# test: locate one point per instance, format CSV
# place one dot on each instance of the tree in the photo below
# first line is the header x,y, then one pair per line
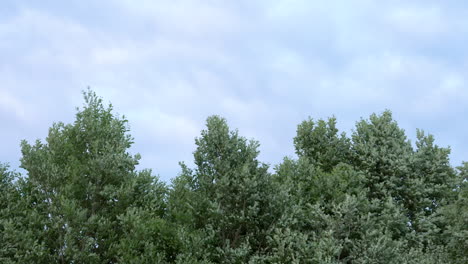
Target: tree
x,y
455,216
359,208
229,193
6,186
88,185
321,144
430,182
381,150
369,199
21,227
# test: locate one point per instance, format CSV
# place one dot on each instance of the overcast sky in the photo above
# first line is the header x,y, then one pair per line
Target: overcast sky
x,y
264,65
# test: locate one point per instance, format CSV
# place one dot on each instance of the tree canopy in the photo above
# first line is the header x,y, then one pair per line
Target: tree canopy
x,y
371,197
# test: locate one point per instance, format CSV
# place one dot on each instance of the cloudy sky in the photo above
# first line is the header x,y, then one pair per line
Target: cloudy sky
x,y
265,65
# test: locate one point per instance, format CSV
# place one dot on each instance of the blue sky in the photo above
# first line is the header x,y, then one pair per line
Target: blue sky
x,y
264,65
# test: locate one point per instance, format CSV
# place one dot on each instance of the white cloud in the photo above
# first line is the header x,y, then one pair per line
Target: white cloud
x,y
111,55
419,20
263,65
164,127
46,39
10,104
189,18
450,89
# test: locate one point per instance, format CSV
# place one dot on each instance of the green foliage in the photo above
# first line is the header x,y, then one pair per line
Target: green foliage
x,y
312,185
431,163
371,198
321,144
229,193
455,216
381,150
81,185
7,189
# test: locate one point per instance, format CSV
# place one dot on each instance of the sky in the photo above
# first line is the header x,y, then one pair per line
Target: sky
x,y
264,65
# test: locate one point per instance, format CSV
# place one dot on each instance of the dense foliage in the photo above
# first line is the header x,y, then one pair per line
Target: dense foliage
x,y
373,197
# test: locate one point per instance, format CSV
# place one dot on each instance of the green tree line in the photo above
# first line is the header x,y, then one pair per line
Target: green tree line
x,y
371,197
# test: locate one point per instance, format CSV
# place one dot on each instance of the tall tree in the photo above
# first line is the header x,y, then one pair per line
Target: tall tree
x,y
430,181
321,144
229,192
455,217
380,149
22,233
88,181
369,199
